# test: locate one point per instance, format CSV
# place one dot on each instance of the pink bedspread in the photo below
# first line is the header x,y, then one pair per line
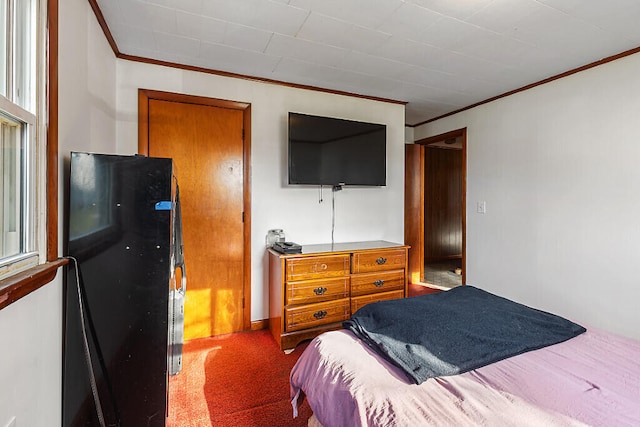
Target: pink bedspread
x,y
592,379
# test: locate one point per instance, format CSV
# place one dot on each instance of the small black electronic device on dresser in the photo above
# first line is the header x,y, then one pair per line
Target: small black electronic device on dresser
x,y
287,247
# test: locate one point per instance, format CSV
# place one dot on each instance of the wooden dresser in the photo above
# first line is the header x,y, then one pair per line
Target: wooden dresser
x,y
313,292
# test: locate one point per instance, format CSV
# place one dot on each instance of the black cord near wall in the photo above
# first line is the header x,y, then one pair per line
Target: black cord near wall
x,y
334,190
87,320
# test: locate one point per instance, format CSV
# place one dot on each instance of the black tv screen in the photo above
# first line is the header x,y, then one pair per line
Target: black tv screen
x,y
330,151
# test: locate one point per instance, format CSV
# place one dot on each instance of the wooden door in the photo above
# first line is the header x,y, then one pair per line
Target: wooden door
x,y
414,210
206,143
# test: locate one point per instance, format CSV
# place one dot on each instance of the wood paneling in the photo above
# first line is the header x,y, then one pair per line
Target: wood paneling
x,y
443,204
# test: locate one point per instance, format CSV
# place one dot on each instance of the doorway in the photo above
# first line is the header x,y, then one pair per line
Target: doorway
x,y
435,209
208,139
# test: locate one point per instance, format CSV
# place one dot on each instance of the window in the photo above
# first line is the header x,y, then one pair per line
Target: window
x,y
22,114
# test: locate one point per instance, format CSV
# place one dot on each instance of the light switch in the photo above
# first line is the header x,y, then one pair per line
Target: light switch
x,y
482,207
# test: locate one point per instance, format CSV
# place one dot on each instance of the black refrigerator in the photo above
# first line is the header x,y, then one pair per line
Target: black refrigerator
x,y
123,308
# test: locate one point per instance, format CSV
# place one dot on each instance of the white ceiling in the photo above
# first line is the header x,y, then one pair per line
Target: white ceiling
x,y
437,55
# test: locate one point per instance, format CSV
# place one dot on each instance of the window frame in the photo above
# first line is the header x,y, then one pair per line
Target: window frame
x,y
21,284
29,163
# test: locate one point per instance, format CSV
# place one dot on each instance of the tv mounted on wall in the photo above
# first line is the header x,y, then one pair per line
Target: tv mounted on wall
x,y
336,152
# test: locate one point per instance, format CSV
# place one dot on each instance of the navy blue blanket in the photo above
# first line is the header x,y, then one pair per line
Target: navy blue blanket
x,y
455,331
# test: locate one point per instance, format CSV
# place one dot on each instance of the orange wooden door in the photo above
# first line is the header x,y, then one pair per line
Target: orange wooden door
x,y
206,143
414,210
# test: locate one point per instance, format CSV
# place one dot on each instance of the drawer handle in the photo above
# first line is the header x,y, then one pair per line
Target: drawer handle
x,y
320,314
320,291
379,282
381,260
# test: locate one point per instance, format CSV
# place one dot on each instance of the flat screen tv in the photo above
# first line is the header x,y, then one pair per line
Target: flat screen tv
x,y
336,152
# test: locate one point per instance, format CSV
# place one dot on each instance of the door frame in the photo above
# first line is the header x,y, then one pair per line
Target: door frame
x,y
144,96
414,203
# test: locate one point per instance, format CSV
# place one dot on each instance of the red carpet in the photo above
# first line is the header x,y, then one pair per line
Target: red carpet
x,y
239,379
415,290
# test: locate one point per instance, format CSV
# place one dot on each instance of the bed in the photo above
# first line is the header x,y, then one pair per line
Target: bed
x,y
591,378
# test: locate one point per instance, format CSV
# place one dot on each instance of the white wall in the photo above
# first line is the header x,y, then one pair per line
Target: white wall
x,y
361,213
31,328
558,167
30,359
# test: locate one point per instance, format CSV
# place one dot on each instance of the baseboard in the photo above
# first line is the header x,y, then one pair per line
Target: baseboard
x,y
257,325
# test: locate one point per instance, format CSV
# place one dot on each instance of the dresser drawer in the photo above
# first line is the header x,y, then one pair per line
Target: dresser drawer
x,y
391,259
311,291
377,282
310,315
359,302
317,267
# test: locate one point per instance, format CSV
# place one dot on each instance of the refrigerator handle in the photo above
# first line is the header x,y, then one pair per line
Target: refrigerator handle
x,y
183,278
